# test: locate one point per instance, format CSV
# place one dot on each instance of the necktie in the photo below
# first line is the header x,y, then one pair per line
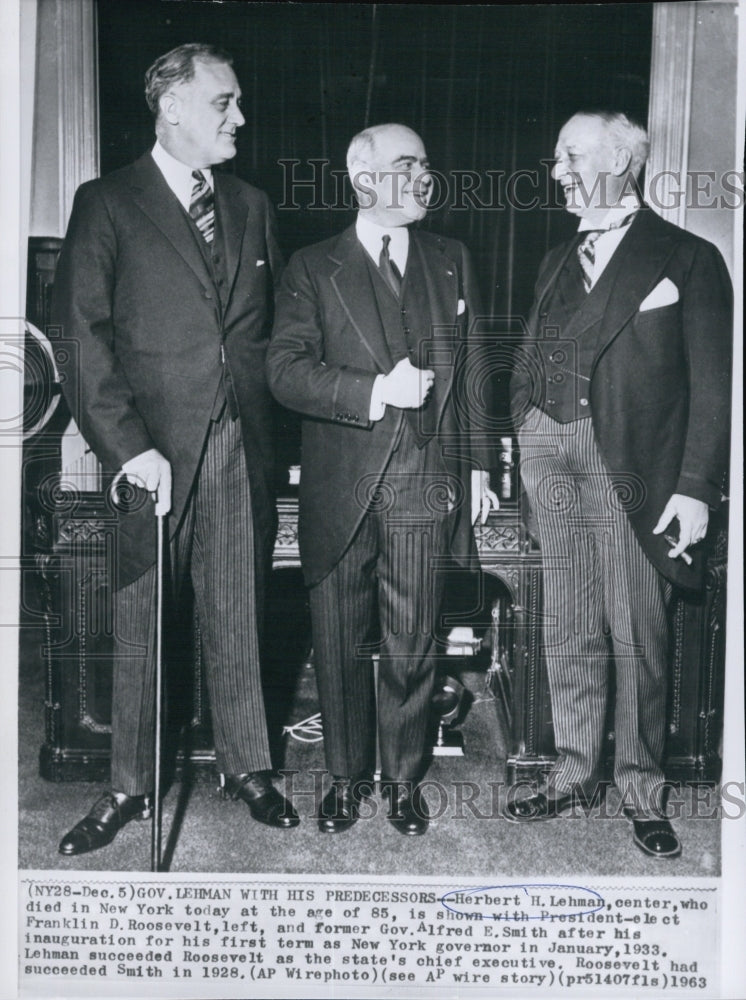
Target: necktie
x,y
202,206
587,256
587,249
388,269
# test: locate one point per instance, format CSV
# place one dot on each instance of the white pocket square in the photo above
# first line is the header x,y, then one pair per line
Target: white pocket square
x,y
461,308
260,262
665,293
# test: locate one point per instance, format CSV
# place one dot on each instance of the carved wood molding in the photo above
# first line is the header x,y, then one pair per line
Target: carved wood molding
x,y
77,87
669,110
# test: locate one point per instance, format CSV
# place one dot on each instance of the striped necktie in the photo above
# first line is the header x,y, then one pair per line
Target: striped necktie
x,y
388,269
202,206
587,249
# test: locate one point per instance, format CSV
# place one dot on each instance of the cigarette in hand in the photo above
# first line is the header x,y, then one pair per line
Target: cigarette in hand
x,y
682,555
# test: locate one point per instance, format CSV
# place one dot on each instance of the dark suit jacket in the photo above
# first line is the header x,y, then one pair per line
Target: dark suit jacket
x,y
136,299
660,380
328,345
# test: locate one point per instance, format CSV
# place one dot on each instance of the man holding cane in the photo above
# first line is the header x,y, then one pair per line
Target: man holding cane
x,y
164,282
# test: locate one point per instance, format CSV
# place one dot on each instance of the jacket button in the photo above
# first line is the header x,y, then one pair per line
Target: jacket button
x,y
550,402
583,401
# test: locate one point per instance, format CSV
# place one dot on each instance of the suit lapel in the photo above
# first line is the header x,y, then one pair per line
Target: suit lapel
x,y
351,282
594,306
630,275
442,282
156,199
552,273
642,256
232,212
441,279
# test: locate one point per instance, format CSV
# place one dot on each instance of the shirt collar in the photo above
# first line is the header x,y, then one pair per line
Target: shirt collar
x,y
178,175
371,236
629,204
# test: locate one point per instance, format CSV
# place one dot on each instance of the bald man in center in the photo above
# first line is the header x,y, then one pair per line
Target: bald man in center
x,y
373,344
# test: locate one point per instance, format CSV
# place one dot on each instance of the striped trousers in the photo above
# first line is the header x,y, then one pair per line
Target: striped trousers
x,y
384,597
602,598
214,545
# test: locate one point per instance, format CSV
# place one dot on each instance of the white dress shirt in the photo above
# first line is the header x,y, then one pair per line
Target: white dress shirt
x,y
608,241
371,236
178,175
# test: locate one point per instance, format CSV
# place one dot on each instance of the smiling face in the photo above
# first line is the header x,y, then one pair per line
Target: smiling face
x,y
589,167
202,116
393,184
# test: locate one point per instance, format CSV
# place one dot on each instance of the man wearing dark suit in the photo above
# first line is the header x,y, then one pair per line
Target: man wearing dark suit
x,y
621,396
164,283
371,344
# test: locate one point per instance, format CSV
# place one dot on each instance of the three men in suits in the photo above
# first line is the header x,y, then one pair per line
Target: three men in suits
x,y
372,346
621,396
165,284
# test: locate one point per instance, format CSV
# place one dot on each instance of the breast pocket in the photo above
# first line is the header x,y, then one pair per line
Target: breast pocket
x,y
658,344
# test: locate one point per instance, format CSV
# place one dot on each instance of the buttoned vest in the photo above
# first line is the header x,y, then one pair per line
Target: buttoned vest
x,y
213,255
407,325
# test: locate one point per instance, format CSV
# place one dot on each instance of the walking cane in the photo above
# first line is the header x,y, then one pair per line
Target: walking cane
x,y
155,833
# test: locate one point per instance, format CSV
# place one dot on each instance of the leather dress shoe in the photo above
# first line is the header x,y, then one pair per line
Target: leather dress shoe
x,y
265,803
408,811
655,836
340,807
107,817
539,806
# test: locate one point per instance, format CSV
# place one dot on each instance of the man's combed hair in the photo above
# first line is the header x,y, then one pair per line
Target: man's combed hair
x,y
625,131
177,66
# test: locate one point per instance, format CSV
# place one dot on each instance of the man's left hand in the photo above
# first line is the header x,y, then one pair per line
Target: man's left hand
x,y
693,517
482,498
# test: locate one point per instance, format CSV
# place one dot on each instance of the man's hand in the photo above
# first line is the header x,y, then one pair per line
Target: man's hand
x,y
693,517
406,386
482,497
152,472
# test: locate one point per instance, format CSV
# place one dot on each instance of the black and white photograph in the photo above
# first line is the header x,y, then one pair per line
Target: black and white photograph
x,y
372,543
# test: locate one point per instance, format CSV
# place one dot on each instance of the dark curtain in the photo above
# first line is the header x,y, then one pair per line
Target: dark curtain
x,y
487,87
